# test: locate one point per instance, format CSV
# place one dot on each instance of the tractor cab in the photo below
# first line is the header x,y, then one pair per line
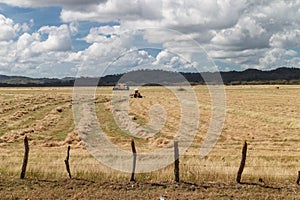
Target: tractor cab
x,y
137,94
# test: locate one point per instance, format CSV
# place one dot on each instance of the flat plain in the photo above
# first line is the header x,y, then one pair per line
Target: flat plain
x,y
266,116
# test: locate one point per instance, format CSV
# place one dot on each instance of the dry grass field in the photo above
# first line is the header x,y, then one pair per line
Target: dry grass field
x,y
267,117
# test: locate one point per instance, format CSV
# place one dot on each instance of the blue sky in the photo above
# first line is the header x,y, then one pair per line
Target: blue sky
x,y
69,38
41,16
49,16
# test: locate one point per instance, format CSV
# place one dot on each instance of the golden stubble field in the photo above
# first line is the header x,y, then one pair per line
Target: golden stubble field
x,y
267,117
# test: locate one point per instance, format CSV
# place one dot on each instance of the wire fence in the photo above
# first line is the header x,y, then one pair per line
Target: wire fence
x,y
284,164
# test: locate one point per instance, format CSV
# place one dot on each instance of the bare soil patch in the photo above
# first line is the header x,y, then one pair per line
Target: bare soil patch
x,y
85,189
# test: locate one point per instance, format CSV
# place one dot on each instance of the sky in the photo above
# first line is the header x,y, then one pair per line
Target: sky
x,y
62,38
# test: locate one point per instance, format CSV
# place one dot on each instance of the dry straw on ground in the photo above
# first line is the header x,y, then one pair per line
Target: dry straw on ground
x,y
267,117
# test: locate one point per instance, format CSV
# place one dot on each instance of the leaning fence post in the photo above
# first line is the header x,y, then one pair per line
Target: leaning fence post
x,y
242,165
298,179
176,161
134,160
67,161
25,160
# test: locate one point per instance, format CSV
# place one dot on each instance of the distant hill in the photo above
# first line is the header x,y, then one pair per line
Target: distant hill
x,y
282,75
22,81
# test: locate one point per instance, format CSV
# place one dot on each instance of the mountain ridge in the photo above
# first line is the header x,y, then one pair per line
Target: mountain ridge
x,y
282,75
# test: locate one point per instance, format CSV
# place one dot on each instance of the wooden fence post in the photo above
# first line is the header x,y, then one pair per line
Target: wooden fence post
x,y
134,160
25,160
67,161
176,161
242,165
298,179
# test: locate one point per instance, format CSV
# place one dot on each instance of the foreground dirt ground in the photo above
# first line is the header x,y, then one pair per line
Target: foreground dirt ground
x,y
85,189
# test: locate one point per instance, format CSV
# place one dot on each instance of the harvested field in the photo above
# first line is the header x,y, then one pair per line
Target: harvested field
x,y
264,116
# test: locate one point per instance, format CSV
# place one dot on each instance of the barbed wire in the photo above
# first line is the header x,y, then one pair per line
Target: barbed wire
x,y
200,165
184,156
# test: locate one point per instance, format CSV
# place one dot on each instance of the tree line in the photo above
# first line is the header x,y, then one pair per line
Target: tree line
x,y
283,75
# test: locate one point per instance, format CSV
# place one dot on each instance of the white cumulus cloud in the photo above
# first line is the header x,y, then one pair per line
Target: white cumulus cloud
x,y
276,56
59,38
248,33
286,39
8,28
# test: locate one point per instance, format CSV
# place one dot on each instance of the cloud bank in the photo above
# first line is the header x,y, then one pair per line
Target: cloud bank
x,y
246,33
